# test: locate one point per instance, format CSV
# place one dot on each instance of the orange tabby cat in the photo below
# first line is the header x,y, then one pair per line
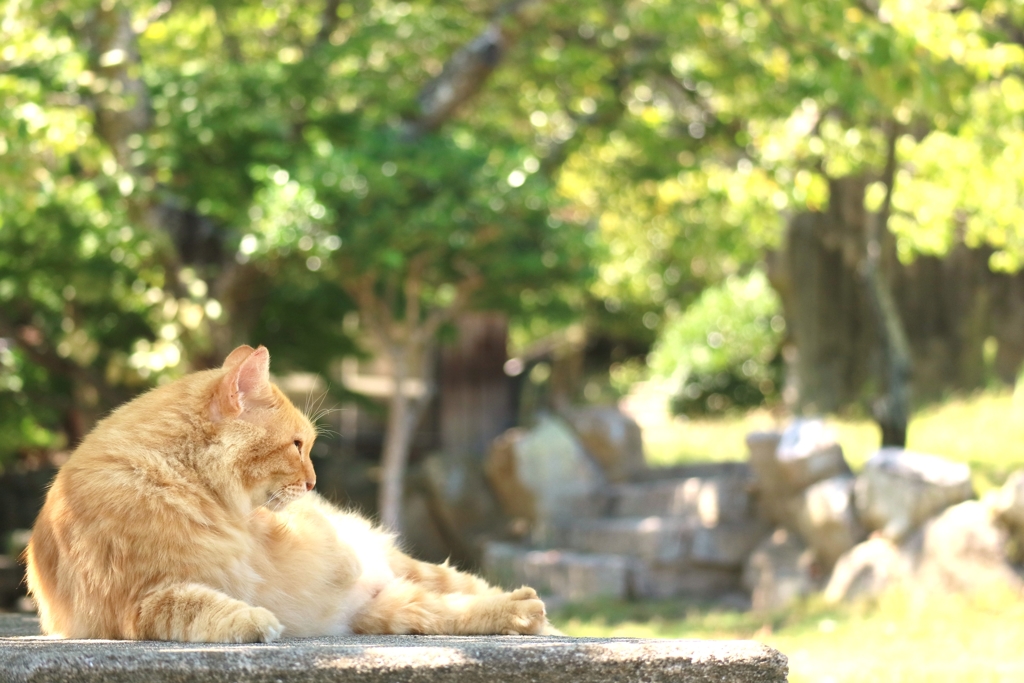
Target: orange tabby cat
x,y
186,515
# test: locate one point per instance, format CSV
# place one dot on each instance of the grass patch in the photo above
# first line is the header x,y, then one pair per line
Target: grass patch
x,y
902,638
712,439
985,430
721,439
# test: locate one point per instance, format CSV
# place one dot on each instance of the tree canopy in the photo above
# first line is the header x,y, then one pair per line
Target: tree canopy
x,y
179,177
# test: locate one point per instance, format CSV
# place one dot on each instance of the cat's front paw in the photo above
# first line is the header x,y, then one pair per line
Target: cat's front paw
x,y
526,614
252,625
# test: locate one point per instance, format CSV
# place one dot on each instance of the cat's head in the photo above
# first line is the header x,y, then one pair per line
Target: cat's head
x,y
271,438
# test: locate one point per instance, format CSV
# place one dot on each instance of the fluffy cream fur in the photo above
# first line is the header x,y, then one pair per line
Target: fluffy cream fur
x,y
186,515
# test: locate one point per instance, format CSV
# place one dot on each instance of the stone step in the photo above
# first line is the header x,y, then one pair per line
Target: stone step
x,y
571,576
653,539
669,540
652,581
567,575
712,499
379,659
704,470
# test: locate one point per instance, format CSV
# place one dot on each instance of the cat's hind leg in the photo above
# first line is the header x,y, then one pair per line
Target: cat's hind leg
x,y
193,612
407,607
439,578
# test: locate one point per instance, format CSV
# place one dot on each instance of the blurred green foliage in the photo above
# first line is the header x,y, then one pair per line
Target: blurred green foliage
x,y
723,351
621,158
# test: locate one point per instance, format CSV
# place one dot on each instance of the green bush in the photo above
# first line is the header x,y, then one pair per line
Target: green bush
x,y
723,351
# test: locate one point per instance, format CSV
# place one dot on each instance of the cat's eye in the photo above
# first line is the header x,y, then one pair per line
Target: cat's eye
x,y
298,444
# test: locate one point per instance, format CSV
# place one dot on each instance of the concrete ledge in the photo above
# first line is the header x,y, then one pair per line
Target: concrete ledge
x,y
25,656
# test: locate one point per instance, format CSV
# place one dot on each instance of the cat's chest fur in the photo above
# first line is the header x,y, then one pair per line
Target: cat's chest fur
x,y
313,566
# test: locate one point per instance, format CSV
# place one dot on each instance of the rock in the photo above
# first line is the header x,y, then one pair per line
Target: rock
x,y
898,490
785,464
763,466
712,500
544,476
774,500
1010,500
516,500
1008,505
726,545
964,550
827,519
384,659
867,570
611,437
807,453
565,574
420,528
779,572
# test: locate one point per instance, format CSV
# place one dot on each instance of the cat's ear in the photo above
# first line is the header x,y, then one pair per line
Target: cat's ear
x,y
243,385
254,373
237,356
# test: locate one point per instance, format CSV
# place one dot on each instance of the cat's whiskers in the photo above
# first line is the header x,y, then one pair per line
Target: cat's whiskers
x,y
326,431
283,497
266,503
322,413
316,406
316,412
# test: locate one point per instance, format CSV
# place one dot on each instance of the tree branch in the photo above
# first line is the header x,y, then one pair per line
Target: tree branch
x,y
231,43
465,73
328,21
439,316
369,307
25,336
560,151
413,287
390,301
122,109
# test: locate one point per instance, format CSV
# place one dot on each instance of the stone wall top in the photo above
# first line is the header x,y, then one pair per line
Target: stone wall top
x,y
25,656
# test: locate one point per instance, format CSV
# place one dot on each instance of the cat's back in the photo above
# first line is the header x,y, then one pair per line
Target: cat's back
x,y
126,497
141,456
164,420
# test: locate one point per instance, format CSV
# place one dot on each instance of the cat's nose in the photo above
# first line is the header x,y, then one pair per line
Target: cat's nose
x,y
310,483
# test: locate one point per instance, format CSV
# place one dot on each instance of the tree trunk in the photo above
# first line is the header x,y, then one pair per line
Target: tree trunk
x,y
948,306
114,55
461,78
475,403
474,406
892,410
397,440
827,317
404,413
